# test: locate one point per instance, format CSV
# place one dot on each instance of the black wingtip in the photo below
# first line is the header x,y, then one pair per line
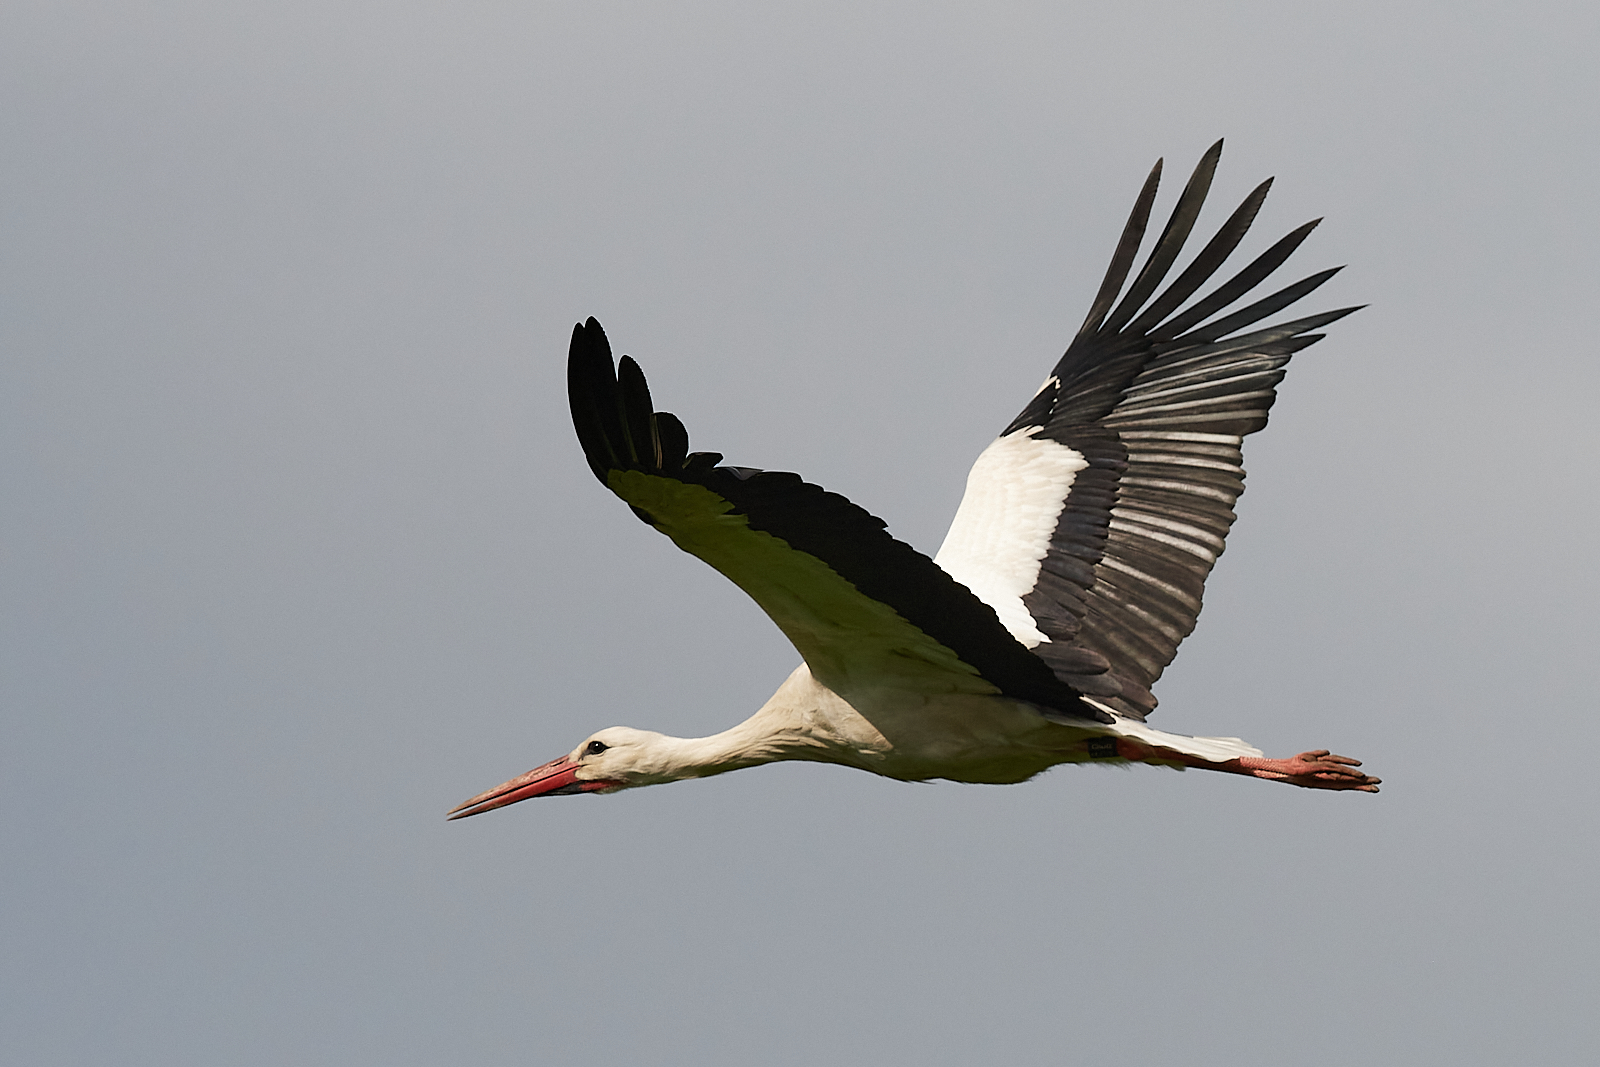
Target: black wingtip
x,y
637,411
592,394
1201,269
1122,260
612,412
1169,244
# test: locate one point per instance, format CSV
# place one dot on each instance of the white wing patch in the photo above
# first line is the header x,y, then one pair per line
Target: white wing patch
x,y
1015,493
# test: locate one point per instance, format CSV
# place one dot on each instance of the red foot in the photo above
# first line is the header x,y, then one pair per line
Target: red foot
x,y
1314,770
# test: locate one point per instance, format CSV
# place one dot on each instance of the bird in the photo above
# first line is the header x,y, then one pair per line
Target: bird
x,y
1074,566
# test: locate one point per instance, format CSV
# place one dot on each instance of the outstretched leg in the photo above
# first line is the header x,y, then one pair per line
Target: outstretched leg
x,y
1318,769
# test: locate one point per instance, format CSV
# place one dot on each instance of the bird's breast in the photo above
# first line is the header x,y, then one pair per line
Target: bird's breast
x,y
962,737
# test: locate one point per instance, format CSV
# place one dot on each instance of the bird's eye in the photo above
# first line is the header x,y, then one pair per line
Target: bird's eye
x,y
594,748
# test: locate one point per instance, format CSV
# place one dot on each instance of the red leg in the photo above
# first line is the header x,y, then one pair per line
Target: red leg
x,y
1318,769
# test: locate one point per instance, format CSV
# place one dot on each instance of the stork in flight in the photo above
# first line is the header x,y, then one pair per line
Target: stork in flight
x,y
1074,567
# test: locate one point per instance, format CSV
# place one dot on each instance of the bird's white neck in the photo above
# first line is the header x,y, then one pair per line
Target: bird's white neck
x,y
752,742
800,722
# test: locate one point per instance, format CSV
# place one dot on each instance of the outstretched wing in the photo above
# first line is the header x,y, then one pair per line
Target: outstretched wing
x,y
864,609
1092,522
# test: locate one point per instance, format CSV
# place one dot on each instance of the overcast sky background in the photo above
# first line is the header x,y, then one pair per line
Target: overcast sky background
x,y
299,550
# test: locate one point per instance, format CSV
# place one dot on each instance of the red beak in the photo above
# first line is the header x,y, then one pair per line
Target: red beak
x,y
557,778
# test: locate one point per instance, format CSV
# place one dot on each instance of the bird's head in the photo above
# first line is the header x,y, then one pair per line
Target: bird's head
x,y
617,757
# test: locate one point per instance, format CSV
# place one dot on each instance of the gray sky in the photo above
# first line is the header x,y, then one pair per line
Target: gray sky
x,y
299,550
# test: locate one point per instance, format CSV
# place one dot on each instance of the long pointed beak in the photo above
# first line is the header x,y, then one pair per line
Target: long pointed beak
x,y
557,778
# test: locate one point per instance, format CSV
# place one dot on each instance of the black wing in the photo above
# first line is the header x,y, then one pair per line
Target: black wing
x,y
1157,402
863,608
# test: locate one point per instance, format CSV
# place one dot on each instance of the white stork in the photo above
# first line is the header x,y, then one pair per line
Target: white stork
x,y
1074,567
